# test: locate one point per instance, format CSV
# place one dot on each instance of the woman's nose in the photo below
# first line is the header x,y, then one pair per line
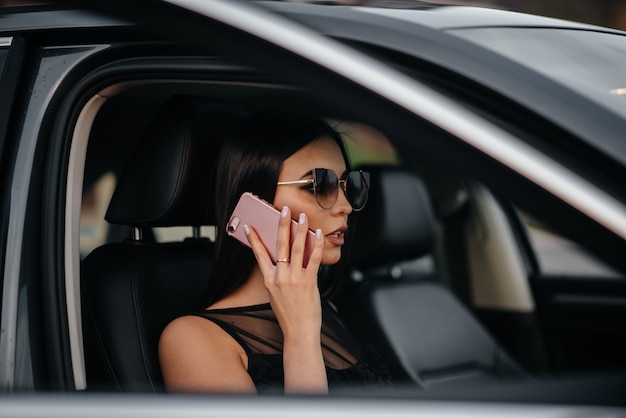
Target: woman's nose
x,y
342,205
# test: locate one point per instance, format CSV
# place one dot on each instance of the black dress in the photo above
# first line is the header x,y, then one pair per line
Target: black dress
x,y
256,329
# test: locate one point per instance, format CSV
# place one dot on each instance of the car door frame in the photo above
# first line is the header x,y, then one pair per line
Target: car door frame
x,y
400,98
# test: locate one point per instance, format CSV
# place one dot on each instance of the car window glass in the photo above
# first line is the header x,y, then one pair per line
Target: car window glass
x,y
93,227
591,63
558,256
179,233
365,144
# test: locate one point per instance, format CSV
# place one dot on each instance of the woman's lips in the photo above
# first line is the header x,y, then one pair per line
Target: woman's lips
x,y
336,238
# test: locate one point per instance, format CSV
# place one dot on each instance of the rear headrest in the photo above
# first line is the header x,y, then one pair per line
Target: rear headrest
x,y
167,180
398,222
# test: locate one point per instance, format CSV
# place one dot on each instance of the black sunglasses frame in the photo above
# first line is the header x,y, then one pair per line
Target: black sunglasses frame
x,y
341,183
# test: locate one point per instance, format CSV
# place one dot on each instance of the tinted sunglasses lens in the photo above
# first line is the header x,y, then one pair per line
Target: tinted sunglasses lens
x,y
357,189
326,183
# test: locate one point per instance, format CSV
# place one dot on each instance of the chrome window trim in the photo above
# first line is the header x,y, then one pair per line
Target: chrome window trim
x,y
422,101
6,41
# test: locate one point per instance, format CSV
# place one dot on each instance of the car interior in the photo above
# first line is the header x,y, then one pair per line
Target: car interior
x,y
440,275
444,344
132,288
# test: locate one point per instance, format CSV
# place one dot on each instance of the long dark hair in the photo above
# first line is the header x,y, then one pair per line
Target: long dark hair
x,y
250,161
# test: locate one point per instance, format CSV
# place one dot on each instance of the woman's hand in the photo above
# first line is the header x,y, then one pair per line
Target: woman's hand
x,y
295,299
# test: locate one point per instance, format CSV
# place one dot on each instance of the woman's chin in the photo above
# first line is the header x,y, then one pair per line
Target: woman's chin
x,y
331,257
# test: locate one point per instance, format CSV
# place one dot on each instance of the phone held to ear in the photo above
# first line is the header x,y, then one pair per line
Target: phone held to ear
x,y
263,217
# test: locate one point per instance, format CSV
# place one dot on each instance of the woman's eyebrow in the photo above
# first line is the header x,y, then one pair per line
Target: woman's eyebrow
x,y
307,174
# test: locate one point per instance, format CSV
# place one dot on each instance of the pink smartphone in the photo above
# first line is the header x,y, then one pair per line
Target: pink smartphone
x,y
263,217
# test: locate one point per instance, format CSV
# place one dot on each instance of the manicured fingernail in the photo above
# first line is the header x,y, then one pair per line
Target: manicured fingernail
x,y
246,230
284,212
318,234
302,218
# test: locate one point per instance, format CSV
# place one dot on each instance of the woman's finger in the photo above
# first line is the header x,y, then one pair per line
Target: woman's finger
x,y
316,255
260,252
297,246
283,248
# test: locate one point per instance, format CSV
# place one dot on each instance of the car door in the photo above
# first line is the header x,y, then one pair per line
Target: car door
x,y
35,72
6,99
11,67
576,281
581,303
11,60
569,318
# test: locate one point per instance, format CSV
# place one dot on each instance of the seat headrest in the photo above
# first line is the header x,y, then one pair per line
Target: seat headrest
x,y
397,223
168,178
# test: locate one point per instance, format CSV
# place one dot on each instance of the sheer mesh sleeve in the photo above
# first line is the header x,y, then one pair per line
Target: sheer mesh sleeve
x,y
256,329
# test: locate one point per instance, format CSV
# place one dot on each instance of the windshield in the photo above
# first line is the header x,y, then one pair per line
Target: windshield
x,y
591,63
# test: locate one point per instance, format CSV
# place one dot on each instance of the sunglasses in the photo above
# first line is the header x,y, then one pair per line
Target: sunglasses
x,y
326,185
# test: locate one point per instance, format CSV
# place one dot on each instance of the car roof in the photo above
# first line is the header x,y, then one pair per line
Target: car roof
x,y
417,34
591,126
457,17
60,14
442,17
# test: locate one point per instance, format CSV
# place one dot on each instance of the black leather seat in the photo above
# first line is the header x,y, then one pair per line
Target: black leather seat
x,y
425,333
132,289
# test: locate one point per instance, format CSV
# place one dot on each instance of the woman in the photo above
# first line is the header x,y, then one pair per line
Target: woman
x,y
260,326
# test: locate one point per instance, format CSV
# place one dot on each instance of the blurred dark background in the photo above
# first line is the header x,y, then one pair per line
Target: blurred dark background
x,y
610,13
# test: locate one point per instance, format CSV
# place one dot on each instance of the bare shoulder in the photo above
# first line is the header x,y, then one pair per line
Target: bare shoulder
x,y
189,328
198,355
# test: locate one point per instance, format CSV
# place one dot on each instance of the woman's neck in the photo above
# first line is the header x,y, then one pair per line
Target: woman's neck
x,y
251,292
